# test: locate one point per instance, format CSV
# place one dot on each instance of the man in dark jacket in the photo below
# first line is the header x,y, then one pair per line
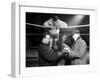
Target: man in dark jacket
x,y
47,57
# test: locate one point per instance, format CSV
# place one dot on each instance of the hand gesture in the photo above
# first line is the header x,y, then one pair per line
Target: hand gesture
x,y
66,48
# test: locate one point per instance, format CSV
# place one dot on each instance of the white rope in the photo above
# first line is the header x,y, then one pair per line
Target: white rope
x,y
55,27
78,26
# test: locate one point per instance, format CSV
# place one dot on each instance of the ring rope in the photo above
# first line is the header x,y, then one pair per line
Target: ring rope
x,y
59,27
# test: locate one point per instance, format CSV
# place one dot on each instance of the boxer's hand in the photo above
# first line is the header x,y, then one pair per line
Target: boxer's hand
x,y
59,53
66,48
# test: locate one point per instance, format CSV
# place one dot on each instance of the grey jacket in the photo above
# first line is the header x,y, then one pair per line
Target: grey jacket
x,y
78,48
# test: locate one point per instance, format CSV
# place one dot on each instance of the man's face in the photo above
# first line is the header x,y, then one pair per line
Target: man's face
x,y
64,37
46,39
75,36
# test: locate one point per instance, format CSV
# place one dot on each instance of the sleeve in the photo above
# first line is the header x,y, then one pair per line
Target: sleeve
x,y
79,52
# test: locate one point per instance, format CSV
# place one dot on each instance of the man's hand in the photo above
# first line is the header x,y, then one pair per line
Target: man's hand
x,y
66,48
59,53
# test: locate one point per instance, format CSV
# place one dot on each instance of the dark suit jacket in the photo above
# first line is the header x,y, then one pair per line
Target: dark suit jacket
x,y
46,56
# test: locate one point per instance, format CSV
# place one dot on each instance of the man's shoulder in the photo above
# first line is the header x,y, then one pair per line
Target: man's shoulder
x,y
62,23
81,41
49,20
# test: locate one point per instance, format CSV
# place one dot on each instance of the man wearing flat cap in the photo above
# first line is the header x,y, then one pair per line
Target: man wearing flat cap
x,y
47,56
78,50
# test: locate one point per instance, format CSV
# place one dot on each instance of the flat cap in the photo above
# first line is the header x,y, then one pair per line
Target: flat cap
x,y
75,32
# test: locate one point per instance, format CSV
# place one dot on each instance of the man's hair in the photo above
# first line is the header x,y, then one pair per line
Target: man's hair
x,y
55,18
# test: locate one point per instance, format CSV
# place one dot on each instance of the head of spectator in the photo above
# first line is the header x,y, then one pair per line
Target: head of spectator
x,y
64,37
75,34
46,39
55,18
